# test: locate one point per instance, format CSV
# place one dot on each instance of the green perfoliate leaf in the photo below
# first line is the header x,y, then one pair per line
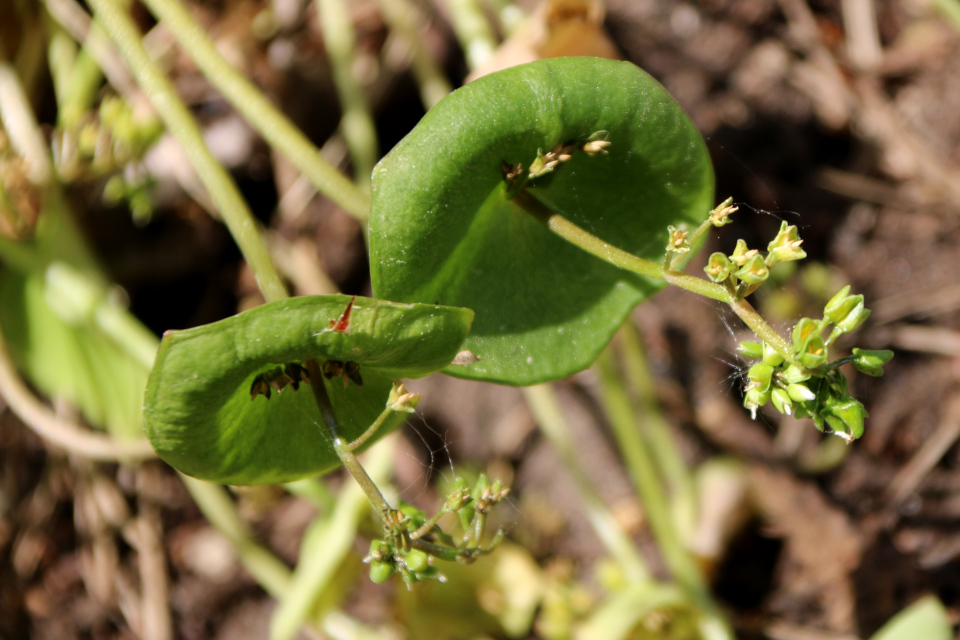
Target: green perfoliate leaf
x,y
203,420
443,229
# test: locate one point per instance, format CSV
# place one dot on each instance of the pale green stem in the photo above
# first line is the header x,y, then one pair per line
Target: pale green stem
x,y
472,30
643,471
61,60
168,105
403,19
77,77
629,262
24,134
343,449
356,123
546,409
665,450
372,429
325,545
217,507
314,491
249,101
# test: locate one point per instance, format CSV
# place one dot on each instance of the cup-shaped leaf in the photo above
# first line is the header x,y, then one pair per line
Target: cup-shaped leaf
x,y
445,230
204,419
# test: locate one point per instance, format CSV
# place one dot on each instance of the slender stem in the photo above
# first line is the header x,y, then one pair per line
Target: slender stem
x,y
168,105
342,448
587,241
546,408
357,125
217,507
755,321
325,545
314,491
269,122
372,429
665,450
21,127
97,46
629,262
643,471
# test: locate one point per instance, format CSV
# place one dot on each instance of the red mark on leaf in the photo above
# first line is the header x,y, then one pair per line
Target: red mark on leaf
x,y
342,324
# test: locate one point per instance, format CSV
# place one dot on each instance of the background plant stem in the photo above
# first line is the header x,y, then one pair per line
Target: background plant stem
x,y
680,483
168,105
219,510
269,122
546,409
643,471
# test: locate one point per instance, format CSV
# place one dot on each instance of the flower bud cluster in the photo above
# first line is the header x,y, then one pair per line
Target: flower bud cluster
x,y
808,384
412,541
111,142
413,565
746,269
516,177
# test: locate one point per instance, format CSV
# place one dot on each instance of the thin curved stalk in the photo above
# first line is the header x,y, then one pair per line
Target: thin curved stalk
x,y
595,246
217,507
269,122
671,464
643,472
168,105
325,545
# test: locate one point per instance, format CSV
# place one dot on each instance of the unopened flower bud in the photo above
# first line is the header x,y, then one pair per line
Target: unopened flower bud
x,y
416,560
381,571
845,311
771,356
800,393
781,401
754,399
761,375
794,373
845,416
871,362
751,349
